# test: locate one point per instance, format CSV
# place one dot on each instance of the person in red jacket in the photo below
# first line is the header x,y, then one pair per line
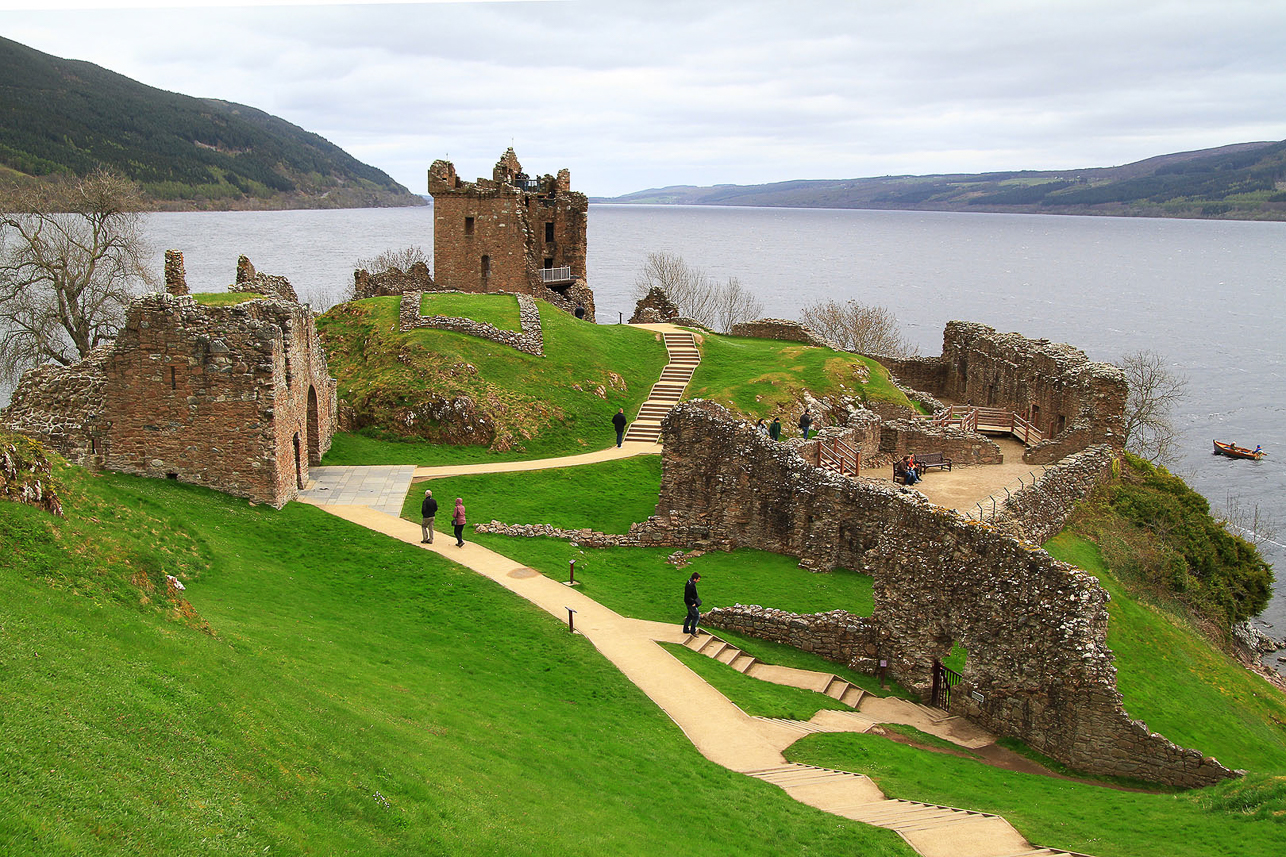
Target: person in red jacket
x,y
458,521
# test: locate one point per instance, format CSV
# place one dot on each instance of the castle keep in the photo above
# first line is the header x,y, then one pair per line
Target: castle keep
x,y
511,233
235,398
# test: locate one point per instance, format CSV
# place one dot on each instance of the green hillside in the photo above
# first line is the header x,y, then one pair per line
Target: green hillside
x,y
61,116
1244,181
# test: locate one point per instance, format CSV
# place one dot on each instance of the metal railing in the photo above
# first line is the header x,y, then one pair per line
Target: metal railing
x,y
556,275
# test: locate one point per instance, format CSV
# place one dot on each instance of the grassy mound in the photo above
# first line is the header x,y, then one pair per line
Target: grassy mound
x,y
500,311
351,695
449,388
765,377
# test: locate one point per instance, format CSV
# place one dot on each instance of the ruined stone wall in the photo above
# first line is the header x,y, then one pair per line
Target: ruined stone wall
x,y
1039,511
906,437
496,235
235,398
1035,628
782,329
394,281
176,278
654,307
269,285
1074,401
530,340
62,407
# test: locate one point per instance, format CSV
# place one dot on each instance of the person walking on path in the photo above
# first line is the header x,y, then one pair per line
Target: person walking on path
x,y
619,422
428,510
458,521
693,601
774,430
805,423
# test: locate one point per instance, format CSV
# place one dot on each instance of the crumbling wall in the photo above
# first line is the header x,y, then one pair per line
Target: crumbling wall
x,y
1035,628
906,437
500,234
1039,511
269,285
1074,401
530,340
62,407
394,281
782,329
654,308
176,278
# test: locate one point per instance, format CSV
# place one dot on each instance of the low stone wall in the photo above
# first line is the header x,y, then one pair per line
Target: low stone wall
x,y
1039,511
906,437
782,329
837,636
529,341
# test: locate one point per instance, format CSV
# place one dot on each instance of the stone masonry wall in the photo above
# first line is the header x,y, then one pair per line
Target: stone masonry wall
x,y
394,281
530,340
905,437
654,307
268,285
782,329
1035,628
62,407
1039,511
496,235
1074,401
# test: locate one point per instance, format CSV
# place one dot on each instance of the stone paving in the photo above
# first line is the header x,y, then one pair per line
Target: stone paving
x,y
381,487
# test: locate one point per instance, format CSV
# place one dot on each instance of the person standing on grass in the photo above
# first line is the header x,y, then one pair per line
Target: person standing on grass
x,y
458,521
693,601
805,423
619,422
774,430
428,510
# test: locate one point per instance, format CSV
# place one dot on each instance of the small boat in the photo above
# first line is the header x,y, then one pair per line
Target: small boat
x,y
1233,451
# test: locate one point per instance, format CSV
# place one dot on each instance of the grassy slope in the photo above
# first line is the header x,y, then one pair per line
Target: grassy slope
x,y
765,377
357,696
381,370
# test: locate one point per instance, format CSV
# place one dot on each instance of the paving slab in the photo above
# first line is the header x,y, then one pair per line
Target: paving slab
x,y
381,486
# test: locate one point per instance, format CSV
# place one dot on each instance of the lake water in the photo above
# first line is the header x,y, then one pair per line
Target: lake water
x,y
1209,295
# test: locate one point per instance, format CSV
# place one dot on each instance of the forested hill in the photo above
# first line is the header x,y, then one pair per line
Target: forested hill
x,y
1245,181
67,116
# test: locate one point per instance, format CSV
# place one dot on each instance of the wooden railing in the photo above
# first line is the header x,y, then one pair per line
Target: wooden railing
x,y
987,419
839,456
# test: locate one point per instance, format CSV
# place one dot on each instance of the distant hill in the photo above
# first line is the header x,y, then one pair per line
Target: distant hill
x,y
68,116
1245,181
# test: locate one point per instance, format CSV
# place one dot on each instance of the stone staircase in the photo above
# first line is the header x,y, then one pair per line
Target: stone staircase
x,y
666,392
726,653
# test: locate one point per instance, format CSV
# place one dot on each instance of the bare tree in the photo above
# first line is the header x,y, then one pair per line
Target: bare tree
x,y
388,259
858,327
1154,391
72,256
697,296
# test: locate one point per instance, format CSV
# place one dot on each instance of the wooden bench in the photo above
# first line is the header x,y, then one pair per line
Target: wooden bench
x,y
923,463
932,459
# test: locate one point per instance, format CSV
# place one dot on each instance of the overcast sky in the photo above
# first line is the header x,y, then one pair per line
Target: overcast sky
x,y
631,95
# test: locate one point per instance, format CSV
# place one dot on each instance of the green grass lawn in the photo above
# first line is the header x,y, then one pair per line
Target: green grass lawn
x,y
224,298
543,406
1061,813
351,695
500,311
765,377
1181,686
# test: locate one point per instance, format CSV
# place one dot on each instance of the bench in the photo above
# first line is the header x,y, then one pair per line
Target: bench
x,y
924,462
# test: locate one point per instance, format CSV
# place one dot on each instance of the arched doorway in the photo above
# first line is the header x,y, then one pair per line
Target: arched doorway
x,y
314,427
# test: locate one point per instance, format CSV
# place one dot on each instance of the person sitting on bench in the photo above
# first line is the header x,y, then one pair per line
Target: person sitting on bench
x,y
905,471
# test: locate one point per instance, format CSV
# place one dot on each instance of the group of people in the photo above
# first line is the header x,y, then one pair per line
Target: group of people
x,y
907,471
773,430
429,511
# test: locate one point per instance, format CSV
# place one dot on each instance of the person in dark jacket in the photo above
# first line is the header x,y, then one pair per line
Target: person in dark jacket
x,y
458,521
774,430
619,422
428,510
693,601
805,423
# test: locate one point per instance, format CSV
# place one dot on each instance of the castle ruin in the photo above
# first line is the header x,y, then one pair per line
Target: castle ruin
x,y
236,398
511,233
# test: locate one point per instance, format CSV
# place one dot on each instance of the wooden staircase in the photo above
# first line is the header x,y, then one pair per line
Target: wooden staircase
x,y
666,392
